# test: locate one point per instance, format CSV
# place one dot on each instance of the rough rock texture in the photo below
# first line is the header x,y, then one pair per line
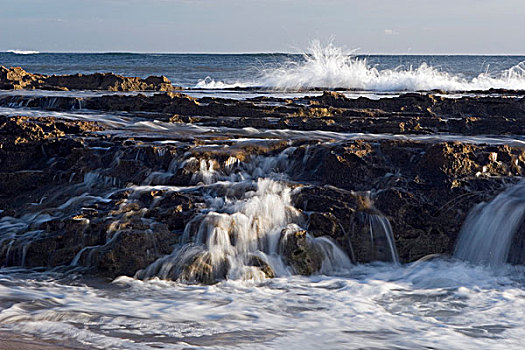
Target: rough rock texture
x,y
421,114
72,184
299,252
424,189
16,78
75,193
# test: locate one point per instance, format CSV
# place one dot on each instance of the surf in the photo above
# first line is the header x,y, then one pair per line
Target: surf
x,y
334,68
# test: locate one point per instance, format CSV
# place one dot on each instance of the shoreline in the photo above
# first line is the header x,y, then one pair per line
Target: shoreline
x,y
148,185
412,176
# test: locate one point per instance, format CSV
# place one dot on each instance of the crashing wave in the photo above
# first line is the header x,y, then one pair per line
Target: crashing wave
x,y
209,83
330,67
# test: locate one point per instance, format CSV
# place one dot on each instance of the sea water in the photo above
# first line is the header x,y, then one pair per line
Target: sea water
x,y
320,66
438,303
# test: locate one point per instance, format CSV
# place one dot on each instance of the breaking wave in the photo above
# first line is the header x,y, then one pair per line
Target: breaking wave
x,y
209,83
23,52
330,67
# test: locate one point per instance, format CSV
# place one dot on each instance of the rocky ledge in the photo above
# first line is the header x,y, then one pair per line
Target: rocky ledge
x,y
77,195
16,78
411,113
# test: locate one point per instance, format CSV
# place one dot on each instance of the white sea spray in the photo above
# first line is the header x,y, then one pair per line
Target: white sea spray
x,y
332,67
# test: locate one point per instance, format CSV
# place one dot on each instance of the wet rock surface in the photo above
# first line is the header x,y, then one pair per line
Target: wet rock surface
x,y
108,200
410,113
16,78
300,252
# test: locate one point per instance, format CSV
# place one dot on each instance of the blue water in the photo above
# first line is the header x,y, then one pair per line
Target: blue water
x,y
436,304
188,70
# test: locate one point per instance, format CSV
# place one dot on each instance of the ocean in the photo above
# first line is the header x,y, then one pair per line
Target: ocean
x,y
319,67
438,302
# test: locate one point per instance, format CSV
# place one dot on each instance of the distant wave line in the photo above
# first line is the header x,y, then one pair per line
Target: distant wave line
x,y
23,52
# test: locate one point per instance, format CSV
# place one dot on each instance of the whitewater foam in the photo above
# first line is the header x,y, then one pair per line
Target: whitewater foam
x,y
209,83
433,304
330,67
242,236
23,52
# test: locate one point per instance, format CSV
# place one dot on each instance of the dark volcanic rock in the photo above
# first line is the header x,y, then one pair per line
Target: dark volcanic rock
x,y
69,189
169,102
73,195
299,251
405,114
133,249
16,78
107,81
424,189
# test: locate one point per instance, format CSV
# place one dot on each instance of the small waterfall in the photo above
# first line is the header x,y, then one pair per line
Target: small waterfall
x,y
382,237
376,226
243,225
235,239
206,172
250,229
489,229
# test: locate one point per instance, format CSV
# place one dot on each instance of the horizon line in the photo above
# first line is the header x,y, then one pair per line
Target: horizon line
x,y
36,52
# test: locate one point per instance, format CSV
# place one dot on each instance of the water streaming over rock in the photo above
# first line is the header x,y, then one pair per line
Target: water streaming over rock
x,y
246,225
231,191
375,234
250,229
382,238
489,229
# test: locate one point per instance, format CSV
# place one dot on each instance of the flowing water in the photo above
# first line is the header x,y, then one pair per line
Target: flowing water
x,y
434,304
242,234
488,232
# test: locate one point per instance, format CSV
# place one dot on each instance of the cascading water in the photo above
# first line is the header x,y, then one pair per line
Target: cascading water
x,y
489,229
382,238
247,227
374,233
246,237
233,235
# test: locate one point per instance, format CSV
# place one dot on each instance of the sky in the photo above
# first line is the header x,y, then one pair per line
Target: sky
x,y
225,26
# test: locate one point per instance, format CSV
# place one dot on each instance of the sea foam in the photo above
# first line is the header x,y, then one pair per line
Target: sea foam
x,y
374,306
23,52
331,67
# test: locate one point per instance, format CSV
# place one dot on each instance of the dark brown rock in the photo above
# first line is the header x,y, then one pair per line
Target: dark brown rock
x,y
16,78
299,251
133,249
424,188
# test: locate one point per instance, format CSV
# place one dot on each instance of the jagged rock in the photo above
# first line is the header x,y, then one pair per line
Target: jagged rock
x,y
425,188
168,102
258,262
108,81
199,269
173,209
406,114
16,78
133,249
299,252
